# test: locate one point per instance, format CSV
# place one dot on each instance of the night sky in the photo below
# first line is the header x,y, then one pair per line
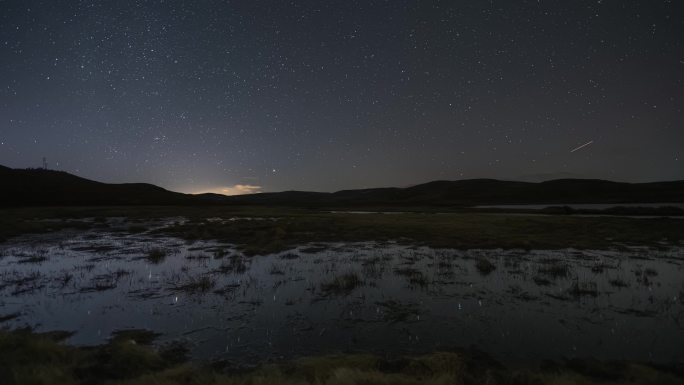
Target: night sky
x,y
322,95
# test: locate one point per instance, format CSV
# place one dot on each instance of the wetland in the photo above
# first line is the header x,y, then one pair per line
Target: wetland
x,y
249,288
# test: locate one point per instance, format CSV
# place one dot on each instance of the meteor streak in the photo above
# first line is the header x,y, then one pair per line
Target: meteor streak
x,y
582,146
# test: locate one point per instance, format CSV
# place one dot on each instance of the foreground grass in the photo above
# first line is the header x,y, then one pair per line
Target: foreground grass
x,y
285,228
30,358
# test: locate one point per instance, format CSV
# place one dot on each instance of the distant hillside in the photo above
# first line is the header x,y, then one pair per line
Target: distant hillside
x,y
39,187
482,192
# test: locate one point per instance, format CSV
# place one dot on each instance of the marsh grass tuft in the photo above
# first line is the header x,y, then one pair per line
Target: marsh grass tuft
x,y
220,253
202,284
289,256
394,311
138,336
7,317
136,229
342,284
580,289
236,264
484,266
555,270
33,259
156,254
618,282
414,276
276,269
541,281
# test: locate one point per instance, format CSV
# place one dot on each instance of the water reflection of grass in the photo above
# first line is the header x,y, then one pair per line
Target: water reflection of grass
x,y
128,358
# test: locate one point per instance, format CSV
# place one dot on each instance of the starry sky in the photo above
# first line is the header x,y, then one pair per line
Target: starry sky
x,y
246,96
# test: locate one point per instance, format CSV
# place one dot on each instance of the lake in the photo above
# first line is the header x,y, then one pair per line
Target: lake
x,y
384,298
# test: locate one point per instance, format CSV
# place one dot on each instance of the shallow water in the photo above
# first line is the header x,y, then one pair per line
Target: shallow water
x,y
384,298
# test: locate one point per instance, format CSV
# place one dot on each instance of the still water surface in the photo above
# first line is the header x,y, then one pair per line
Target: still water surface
x,y
359,297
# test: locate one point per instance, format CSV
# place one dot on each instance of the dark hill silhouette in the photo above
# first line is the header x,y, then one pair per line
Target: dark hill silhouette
x,y
40,187
484,192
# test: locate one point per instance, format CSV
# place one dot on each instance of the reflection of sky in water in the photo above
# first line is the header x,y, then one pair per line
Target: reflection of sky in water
x,y
541,304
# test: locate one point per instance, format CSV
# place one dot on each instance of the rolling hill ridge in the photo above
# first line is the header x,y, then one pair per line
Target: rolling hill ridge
x,y
40,187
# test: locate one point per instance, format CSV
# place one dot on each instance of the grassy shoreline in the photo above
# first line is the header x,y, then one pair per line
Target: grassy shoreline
x,y
281,229
129,358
